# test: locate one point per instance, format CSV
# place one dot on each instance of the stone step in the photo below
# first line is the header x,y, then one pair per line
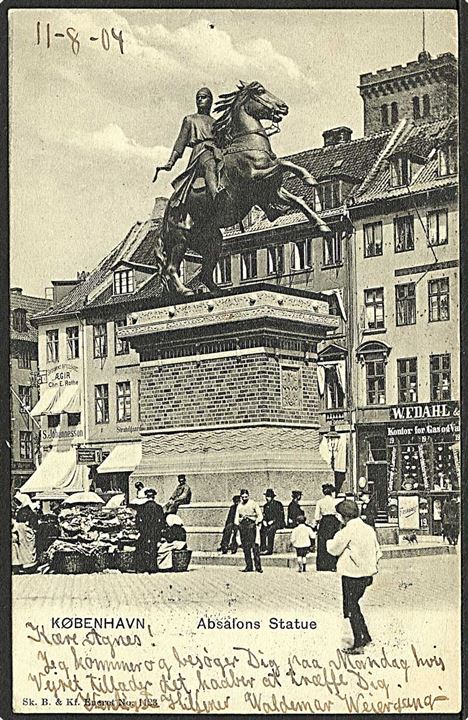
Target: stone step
x,y
289,559
207,538
215,513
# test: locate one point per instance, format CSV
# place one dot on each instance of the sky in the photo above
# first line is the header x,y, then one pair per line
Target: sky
x,y
88,127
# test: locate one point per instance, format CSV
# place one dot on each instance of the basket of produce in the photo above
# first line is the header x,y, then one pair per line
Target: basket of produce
x,y
181,560
102,559
69,562
125,561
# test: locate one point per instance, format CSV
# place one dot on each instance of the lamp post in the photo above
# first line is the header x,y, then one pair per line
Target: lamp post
x,y
333,438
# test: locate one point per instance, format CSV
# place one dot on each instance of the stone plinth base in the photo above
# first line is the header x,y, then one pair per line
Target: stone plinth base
x,y
219,462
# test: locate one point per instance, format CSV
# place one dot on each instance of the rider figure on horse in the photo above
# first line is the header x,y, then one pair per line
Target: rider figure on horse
x,y
206,159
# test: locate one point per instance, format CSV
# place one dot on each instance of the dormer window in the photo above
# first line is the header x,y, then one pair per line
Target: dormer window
x,y
19,320
124,282
400,170
330,194
447,157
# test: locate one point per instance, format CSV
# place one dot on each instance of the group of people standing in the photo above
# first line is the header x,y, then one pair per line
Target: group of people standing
x,y
161,530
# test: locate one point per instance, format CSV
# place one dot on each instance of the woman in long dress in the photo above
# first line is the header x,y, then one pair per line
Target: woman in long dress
x,y
174,538
328,526
24,557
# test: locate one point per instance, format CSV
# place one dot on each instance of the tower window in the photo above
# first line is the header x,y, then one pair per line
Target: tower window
x,y
384,115
426,106
416,109
394,113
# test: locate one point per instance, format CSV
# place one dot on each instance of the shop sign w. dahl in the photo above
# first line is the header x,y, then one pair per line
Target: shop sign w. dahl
x,y
425,410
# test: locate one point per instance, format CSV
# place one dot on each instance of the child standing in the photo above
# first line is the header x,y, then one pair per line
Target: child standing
x,y
303,539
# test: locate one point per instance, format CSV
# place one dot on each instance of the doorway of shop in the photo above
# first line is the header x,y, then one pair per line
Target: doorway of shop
x,y
377,483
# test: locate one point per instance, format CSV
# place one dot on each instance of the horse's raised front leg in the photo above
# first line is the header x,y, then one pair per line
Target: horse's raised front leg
x,y
299,172
300,204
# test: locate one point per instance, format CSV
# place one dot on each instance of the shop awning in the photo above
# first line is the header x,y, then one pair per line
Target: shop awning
x,y
58,471
45,402
123,458
58,400
68,400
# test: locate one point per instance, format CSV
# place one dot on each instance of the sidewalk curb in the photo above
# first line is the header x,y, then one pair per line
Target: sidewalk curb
x,y
282,560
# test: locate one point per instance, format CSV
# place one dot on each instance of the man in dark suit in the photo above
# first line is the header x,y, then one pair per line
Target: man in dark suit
x,y
229,538
150,521
273,520
294,509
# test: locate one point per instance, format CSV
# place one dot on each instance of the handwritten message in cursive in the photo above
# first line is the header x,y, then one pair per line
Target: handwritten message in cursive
x,y
132,670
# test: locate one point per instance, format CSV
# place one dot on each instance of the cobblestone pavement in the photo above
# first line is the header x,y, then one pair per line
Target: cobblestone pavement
x,y
404,583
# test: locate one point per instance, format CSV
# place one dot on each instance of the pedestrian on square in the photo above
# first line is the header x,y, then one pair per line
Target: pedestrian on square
x,y
182,495
249,519
369,509
150,521
24,540
358,553
140,490
451,520
294,508
229,538
328,525
273,520
303,540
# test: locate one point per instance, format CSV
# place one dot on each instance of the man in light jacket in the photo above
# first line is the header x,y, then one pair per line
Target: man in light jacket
x,y
358,553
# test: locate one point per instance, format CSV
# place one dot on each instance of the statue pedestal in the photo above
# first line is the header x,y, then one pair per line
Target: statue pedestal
x,y
229,395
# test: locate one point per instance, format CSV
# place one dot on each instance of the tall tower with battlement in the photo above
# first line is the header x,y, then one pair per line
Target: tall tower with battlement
x,y
422,90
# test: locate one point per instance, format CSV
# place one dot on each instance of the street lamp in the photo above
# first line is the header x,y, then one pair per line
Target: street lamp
x,y
333,439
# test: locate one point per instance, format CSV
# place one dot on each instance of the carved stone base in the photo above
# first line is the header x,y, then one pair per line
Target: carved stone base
x,y
218,462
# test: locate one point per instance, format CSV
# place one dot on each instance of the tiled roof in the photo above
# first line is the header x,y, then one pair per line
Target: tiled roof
x,y
152,289
352,159
32,305
422,140
137,246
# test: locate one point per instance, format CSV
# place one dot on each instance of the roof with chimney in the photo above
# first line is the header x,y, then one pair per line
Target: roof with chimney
x,y
419,141
137,249
351,160
32,305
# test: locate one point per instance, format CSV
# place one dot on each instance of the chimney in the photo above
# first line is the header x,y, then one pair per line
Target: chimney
x,y
337,135
62,288
159,207
17,290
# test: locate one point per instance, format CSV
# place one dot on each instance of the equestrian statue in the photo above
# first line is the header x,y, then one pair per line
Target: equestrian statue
x,y
231,169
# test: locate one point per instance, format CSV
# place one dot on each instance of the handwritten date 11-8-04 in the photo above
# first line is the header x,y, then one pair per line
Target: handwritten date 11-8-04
x,y
45,35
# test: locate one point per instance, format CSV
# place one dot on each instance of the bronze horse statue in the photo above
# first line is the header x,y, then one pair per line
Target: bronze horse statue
x,y
252,175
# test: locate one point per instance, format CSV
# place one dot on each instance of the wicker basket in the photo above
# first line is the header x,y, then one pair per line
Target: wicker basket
x,y
181,560
125,561
72,563
101,560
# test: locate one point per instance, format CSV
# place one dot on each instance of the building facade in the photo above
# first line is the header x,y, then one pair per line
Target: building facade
x,y
406,339
89,397
24,437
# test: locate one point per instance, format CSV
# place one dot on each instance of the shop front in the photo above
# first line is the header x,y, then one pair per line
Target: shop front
x,y
412,462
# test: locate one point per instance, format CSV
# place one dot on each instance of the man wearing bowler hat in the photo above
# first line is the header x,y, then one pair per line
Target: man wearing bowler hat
x,y
273,520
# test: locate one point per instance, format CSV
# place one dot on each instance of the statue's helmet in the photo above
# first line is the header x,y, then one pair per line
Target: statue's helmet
x,y
204,92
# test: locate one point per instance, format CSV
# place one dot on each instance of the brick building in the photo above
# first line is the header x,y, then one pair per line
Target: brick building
x,y
422,90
